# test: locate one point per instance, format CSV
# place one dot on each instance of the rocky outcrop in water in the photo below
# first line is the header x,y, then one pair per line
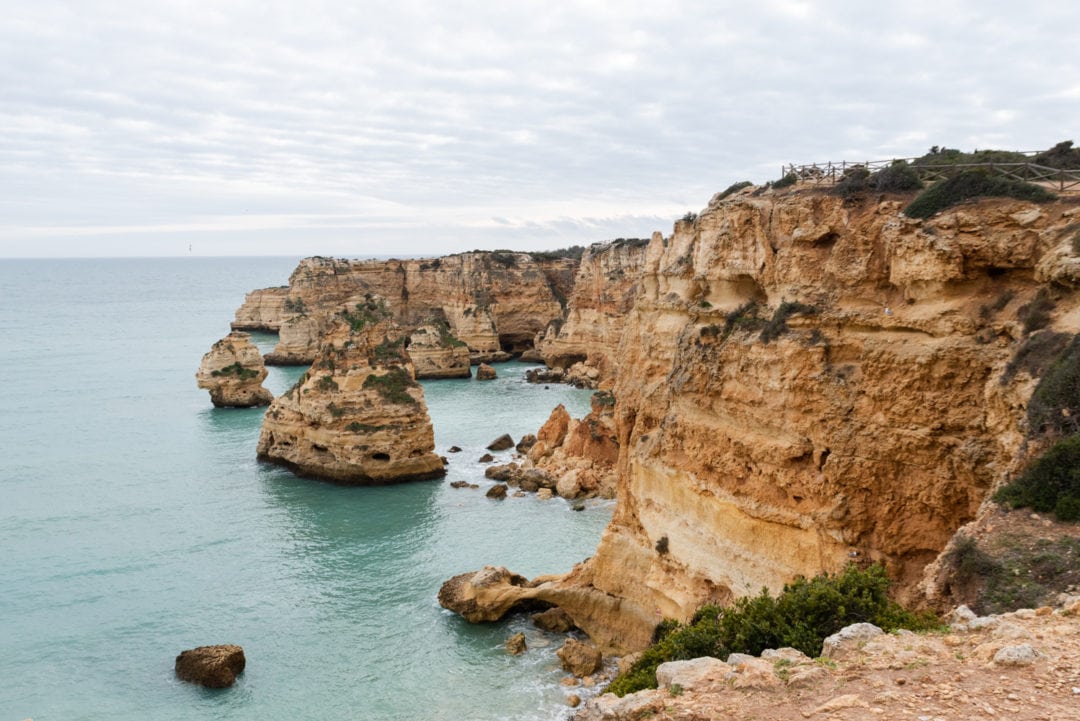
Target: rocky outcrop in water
x,y
803,381
358,416
263,309
211,666
233,372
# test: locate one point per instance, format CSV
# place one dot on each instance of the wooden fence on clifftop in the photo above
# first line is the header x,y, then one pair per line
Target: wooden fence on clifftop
x,y
1062,180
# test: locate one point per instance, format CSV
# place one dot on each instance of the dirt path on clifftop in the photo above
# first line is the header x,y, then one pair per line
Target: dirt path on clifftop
x,y
928,677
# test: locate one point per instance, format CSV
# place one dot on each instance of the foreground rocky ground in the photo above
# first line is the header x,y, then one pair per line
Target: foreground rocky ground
x,y
1020,665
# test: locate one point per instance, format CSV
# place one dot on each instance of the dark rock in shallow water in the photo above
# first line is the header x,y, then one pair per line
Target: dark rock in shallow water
x,y
527,442
498,491
501,443
211,666
486,458
453,449
459,484
484,372
515,645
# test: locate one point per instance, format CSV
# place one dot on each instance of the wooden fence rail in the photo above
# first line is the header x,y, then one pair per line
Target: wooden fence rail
x,y
828,173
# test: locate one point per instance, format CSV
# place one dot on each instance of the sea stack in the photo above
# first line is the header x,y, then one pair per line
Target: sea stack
x,y
233,372
358,416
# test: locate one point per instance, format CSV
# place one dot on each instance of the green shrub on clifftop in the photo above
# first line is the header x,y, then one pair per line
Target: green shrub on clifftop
x,y
802,616
972,184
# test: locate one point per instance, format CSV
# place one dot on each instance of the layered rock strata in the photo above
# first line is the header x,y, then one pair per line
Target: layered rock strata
x,y
358,416
603,295
495,302
263,309
803,382
436,353
233,372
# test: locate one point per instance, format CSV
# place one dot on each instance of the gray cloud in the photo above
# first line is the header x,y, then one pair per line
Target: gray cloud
x,y
324,127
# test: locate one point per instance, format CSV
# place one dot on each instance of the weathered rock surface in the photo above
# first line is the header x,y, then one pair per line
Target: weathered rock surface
x,y
555,620
484,372
691,674
262,309
767,440
233,372
496,303
211,666
358,416
498,492
436,353
502,443
604,293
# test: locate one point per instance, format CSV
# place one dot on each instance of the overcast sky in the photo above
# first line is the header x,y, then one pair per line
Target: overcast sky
x,y
414,127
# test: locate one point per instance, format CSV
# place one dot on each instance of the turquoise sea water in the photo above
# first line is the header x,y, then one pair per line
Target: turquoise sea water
x,y
135,522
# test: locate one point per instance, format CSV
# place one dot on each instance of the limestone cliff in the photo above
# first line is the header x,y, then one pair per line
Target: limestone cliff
x,y
263,309
495,302
802,382
436,353
358,416
233,372
603,294
579,454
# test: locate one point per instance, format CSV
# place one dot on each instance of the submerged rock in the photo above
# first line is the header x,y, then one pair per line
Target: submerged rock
x,y
233,372
211,666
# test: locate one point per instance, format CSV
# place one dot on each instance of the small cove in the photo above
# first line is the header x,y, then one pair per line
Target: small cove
x,y
136,522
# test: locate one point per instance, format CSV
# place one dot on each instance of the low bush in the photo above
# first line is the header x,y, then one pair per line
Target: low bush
x,y
574,252
786,181
392,386
1036,354
1051,483
733,188
897,178
235,370
1036,314
802,616
371,311
745,317
1063,156
1054,407
972,184
777,325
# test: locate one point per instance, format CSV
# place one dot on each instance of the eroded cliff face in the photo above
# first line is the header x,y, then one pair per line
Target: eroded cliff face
x,y
802,383
233,372
604,291
436,353
495,302
358,416
263,309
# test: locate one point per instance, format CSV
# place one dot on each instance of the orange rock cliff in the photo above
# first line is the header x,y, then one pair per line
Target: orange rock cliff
x,y
800,381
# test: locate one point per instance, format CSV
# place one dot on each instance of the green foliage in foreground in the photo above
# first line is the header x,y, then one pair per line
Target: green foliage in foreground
x,y
802,616
972,184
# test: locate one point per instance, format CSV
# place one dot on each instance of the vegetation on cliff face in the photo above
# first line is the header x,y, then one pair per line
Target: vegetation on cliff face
x,y
802,616
1052,481
372,310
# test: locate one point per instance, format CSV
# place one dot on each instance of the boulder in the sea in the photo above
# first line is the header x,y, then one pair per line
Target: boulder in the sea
x,y
486,458
515,645
211,666
453,449
484,372
501,443
484,595
527,441
497,492
579,658
233,372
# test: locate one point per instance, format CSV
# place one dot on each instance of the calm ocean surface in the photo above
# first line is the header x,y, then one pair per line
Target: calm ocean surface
x,y
135,523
